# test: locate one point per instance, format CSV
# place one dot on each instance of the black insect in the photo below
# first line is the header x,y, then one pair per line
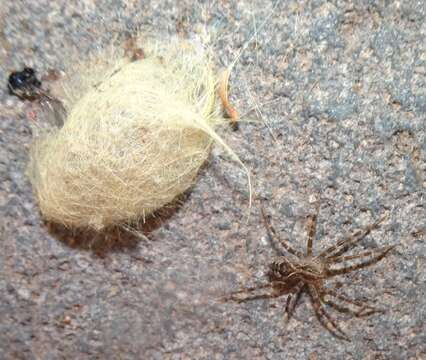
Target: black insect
x,y
24,84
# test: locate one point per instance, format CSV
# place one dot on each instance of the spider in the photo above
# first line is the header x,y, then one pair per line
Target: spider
x,y
307,273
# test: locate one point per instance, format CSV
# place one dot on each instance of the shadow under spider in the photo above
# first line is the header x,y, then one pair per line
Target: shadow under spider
x,y
301,273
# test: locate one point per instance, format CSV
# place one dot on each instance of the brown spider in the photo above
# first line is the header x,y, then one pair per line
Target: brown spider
x,y
307,273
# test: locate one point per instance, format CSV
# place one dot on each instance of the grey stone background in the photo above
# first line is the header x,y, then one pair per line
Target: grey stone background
x,y
340,91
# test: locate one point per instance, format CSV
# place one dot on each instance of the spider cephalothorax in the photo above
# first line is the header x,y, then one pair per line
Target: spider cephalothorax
x,y
283,269
294,272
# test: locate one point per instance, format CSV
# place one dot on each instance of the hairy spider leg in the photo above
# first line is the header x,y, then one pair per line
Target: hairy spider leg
x,y
312,229
335,260
292,301
343,245
274,294
250,289
364,308
323,317
384,251
272,233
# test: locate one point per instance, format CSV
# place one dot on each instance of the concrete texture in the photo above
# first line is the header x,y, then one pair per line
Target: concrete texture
x,y
340,88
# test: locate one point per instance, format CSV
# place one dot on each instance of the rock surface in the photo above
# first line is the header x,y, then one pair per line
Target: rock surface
x,y
340,91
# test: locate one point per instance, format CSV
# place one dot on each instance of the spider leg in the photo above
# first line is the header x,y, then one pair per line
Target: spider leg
x,y
374,259
250,289
344,245
338,259
244,291
364,308
324,318
292,301
272,233
271,295
312,228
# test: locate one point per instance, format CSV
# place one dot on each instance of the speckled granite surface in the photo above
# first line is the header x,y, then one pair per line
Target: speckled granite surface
x,y
341,90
